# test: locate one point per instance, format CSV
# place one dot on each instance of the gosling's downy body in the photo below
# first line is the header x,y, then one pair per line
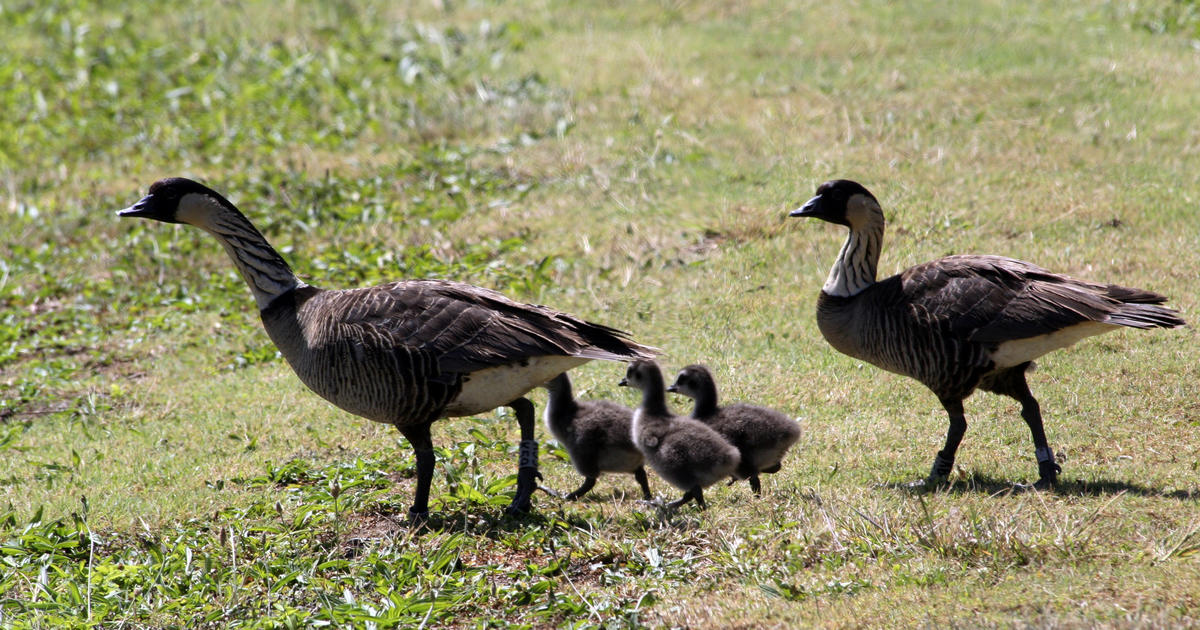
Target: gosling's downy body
x,y
961,322
761,435
406,353
595,433
687,453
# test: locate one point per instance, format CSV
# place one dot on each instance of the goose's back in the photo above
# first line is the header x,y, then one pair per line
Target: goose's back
x,y
410,351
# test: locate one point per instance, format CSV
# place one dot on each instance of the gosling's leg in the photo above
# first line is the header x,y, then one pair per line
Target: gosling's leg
x,y
583,489
640,475
696,493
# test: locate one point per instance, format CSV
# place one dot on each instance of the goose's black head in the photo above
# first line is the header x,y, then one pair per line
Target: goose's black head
x,y
692,381
835,201
167,196
640,373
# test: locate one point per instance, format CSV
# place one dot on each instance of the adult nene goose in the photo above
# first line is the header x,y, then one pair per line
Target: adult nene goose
x,y
406,353
961,322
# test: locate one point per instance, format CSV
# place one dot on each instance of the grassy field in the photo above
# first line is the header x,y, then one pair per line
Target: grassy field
x,y
631,163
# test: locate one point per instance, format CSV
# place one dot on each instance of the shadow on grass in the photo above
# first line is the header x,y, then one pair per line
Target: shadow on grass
x,y
986,484
595,497
388,520
644,515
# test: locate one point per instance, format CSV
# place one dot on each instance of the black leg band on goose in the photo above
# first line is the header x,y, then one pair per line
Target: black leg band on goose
x,y
527,476
942,467
527,460
1048,468
528,454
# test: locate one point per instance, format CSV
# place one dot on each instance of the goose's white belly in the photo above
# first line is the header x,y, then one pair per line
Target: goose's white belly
x,y
495,387
1018,351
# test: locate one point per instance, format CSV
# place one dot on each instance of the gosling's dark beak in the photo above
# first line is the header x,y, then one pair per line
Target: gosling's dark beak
x,y
624,383
811,208
673,387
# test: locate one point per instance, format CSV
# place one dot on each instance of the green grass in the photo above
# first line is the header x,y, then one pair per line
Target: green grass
x,y
632,164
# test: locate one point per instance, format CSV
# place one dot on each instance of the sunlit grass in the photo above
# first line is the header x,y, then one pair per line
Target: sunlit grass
x,y
632,164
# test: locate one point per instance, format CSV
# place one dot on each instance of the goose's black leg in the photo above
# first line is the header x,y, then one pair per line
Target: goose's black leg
x,y
1011,383
1048,469
943,462
754,485
422,443
640,475
583,489
527,471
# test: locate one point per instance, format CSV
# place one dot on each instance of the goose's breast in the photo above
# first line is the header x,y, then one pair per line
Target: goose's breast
x,y
846,327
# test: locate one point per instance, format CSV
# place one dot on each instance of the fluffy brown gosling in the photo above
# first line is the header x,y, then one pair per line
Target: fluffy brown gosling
x,y
761,435
596,434
687,453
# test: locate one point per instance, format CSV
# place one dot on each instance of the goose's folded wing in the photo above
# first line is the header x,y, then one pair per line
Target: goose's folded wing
x,y
467,328
993,299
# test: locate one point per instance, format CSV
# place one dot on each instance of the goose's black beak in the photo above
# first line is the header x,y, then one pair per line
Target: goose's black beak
x,y
811,208
624,383
143,208
673,387
156,206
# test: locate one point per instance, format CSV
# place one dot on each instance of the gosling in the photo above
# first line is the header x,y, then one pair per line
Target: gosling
x,y
761,435
596,434
687,453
